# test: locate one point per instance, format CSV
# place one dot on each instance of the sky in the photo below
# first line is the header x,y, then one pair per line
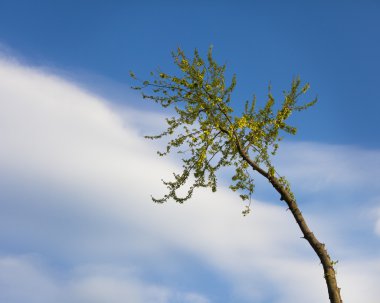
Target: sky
x,y
76,220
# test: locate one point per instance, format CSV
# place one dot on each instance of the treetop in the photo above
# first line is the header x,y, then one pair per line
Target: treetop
x,y
208,133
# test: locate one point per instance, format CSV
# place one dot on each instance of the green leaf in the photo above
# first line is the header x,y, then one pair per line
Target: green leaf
x,y
208,133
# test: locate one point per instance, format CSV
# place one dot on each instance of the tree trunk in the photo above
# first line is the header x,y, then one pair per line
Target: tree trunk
x,y
320,250
318,247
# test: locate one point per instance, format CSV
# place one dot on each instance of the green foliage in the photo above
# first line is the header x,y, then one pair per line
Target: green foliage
x,y
205,131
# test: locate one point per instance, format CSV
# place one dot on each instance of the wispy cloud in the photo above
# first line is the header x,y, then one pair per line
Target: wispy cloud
x,y
76,176
316,166
24,279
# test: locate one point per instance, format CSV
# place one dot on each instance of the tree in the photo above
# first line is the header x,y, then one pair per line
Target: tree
x,y
210,137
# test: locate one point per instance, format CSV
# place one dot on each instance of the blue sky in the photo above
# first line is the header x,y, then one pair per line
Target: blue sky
x,y
76,220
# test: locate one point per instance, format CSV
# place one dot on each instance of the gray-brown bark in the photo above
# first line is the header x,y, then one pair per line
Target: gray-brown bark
x,y
318,247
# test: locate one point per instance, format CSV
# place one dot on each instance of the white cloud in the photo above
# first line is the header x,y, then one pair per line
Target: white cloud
x,y
24,279
22,282
360,277
78,175
316,166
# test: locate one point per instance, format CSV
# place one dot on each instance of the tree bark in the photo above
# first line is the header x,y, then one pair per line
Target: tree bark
x,y
318,247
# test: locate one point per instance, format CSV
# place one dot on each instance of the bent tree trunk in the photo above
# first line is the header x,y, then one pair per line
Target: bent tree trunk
x,y
318,247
